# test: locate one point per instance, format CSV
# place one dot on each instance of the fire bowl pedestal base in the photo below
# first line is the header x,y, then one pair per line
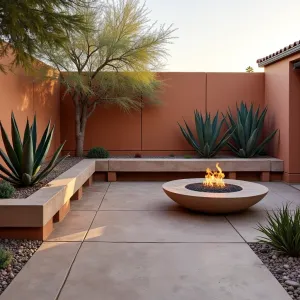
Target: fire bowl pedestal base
x,y
215,203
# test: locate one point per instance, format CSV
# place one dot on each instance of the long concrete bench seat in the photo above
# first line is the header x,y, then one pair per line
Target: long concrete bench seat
x,y
264,165
268,164
33,217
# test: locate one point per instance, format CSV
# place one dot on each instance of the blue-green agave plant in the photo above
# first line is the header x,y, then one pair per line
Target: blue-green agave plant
x,y
208,131
24,158
249,127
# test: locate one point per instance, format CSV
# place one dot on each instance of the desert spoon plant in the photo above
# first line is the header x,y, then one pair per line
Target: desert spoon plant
x,y
24,158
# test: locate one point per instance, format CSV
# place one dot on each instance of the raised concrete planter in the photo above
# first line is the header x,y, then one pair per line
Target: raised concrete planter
x,y
33,217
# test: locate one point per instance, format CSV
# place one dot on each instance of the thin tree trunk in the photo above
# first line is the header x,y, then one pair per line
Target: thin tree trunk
x,y
79,145
81,119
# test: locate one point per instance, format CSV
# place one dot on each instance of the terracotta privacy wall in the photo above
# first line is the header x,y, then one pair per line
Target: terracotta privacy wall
x,y
282,96
26,95
154,129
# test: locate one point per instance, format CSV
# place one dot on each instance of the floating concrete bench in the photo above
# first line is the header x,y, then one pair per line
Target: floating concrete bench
x,y
265,165
33,217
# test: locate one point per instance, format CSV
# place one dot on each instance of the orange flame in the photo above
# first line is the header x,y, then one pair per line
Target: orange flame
x,y
214,178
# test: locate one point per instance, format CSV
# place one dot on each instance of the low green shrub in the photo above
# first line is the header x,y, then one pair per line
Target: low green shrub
x,y
98,152
282,231
5,258
172,155
187,156
6,189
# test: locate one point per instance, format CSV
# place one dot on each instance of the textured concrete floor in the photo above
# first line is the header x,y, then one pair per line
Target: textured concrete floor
x,y
127,240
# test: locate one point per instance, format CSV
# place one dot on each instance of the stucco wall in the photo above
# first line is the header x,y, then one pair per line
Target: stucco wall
x,y
282,94
26,95
154,129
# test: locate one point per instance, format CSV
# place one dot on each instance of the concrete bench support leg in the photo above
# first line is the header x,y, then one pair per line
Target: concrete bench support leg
x,y
29,233
77,195
111,176
232,175
60,215
265,176
89,182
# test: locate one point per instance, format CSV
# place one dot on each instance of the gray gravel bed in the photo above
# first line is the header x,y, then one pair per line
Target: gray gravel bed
x,y
285,269
22,250
66,164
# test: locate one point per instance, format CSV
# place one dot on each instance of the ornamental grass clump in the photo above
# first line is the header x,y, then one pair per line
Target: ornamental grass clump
x,y
24,158
282,231
6,189
249,128
208,130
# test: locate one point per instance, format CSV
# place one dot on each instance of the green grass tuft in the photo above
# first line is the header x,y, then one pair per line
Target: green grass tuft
x,y
282,231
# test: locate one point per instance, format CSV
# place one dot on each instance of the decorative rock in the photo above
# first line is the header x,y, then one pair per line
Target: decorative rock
x,y
285,278
285,269
292,283
21,250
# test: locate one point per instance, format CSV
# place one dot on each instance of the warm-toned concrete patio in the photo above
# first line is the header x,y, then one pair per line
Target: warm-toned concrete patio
x,y
127,240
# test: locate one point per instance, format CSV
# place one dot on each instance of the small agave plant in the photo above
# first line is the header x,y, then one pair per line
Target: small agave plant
x,y
24,158
208,131
249,127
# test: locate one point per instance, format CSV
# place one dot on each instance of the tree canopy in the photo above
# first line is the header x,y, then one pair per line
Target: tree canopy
x,y
26,24
112,62
249,69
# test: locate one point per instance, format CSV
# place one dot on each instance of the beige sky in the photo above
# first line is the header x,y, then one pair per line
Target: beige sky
x,y
226,35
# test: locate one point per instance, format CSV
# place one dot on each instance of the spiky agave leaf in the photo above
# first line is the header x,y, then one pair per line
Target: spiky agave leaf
x,y
34,134
52,164
9,150
16,138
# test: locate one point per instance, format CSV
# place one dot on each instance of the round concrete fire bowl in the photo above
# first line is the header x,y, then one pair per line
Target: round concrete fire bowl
x,y
246,195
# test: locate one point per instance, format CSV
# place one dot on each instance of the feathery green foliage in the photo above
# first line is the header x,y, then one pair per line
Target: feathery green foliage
x,y
249,70
98,152
24,158
6,189
24,25
208,131
112,61
282,231
249,128
5,258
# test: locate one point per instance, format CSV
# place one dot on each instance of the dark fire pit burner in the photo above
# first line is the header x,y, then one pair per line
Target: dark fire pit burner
x,y
200,187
